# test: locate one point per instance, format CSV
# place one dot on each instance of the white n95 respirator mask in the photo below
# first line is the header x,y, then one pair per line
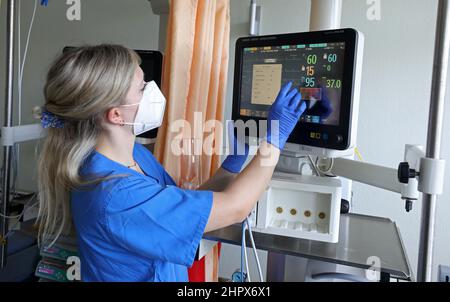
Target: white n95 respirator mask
x,y
150,111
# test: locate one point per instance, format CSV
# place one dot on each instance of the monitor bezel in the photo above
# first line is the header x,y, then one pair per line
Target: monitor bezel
x,y
301,134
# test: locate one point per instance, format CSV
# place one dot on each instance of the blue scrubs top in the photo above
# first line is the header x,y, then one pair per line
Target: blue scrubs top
x,y
136,227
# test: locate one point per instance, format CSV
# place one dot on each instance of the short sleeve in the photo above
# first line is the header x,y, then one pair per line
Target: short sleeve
x,y
158,222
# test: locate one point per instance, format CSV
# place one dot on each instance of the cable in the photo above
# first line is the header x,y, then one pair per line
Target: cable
x,y
19,55
313,165
23,211
18,220
326,172
22,65
358,154
11,217
258,263
21,214
245,256
242,252
25,53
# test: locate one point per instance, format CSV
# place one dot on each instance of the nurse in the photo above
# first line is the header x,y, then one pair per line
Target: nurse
x,y
132,222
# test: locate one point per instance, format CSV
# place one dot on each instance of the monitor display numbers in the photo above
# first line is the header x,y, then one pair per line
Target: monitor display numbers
x,y
315,69
325,66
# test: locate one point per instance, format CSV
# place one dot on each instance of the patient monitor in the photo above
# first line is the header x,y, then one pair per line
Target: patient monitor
x,y
325,67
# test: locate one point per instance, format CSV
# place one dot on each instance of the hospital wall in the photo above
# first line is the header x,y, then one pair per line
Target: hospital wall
x,y
395,97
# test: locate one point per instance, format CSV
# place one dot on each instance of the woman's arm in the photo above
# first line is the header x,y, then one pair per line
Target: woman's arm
x,y
219,181
232,164
234,203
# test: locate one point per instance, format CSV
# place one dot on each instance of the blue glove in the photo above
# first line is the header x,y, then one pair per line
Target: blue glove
x,y
234,162
286,111
321,108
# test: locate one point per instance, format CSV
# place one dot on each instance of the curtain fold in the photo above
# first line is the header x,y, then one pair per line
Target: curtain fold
x,y
194,83
194,77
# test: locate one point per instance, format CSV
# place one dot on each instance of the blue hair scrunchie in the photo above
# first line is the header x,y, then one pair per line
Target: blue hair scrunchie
x,y
50,120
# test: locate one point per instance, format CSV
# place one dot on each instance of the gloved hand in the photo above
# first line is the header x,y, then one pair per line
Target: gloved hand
x,y
239,151
321,108
286,111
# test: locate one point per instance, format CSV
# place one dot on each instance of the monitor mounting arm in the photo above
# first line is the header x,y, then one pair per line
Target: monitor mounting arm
x,y
415,174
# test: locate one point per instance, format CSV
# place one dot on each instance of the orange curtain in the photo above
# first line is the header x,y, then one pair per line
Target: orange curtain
x,y
194,83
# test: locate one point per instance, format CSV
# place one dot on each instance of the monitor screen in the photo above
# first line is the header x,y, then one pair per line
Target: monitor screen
x,y
321,65
151,64
315,69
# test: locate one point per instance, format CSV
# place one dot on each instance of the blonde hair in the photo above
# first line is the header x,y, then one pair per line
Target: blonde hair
x,y
81,85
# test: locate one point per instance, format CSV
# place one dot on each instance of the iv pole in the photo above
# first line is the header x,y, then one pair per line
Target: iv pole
x,y
371,175
352,170
434,136
11,135
7,150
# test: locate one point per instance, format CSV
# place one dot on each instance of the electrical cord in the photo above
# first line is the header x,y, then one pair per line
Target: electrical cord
x,y
21,63
19,55
313,165
18,217
258,263
18,220
244,258
242,252
245,255
326,172
358,154
23,211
